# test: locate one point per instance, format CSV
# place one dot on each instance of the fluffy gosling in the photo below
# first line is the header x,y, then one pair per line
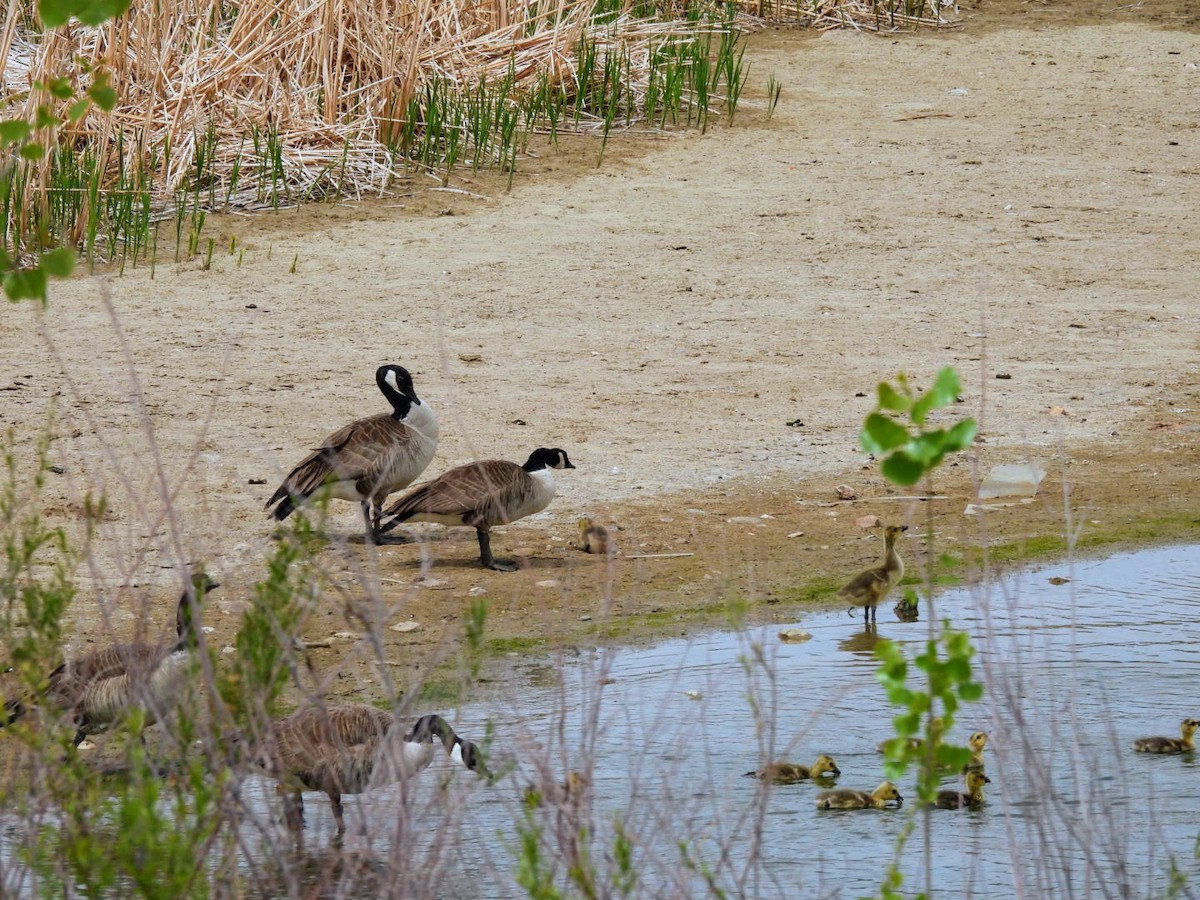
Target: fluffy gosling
x,y
790,773
958,800
847,798
871,586
1185,743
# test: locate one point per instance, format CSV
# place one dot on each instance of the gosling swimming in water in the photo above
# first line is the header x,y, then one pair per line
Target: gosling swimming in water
x,y
790,773
977,742
869,587
1184,744
958,800
847,798
592,538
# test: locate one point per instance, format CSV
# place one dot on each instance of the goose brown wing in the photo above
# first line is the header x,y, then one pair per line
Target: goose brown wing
x,y
863,582
322,747
360,450
71,681
478,493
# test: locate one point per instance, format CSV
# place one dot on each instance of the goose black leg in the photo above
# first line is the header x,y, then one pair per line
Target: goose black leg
x,y
485,554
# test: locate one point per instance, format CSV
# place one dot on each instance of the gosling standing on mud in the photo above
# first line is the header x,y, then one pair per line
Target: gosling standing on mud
x,y
871,586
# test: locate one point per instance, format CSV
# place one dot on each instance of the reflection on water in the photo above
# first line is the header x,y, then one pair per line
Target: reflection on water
x,y
1075,672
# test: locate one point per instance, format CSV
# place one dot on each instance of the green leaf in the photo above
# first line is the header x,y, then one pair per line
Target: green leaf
x,y
890,398
102,93
32,151
59,263
961,435
55,12
881,434
78,110
25,284
971,692
96,12
44,117
60,88
944,392
902,469
14,130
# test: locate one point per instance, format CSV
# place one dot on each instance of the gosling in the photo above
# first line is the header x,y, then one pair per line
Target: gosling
x,y
592,538
1185,743
958,800
790,773
846,798
871,586
976,743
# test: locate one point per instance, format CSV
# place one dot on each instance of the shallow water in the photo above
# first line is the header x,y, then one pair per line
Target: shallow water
x,y
1074,673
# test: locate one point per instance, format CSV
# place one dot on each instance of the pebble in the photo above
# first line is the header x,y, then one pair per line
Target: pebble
x,y
846,492
404,627
795,635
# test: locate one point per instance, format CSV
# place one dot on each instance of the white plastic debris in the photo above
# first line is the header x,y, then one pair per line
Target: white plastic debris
x,y
1012,480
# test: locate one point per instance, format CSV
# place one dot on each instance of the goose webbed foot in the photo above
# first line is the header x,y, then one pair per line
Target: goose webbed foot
x,y
485,555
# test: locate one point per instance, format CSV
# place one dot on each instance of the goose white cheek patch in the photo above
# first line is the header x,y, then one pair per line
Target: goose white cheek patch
x,y
390,378
456,754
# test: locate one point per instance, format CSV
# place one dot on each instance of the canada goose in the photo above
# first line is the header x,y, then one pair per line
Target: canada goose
x,y
976,743
483,495
907,608
368,459
847,798
100,688
869,587
349,748
592,538
958,800
790,773
1185,743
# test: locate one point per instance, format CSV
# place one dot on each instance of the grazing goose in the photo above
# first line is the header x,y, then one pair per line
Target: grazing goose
x,y
483,495
869,587
958,800
100,688
349,748
368,459
790,773
847,798
1185,743
592,538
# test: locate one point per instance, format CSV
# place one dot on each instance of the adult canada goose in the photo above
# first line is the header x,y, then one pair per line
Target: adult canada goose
x,y
958,800
592,538
847,798
790,773
483,495
1185,743
368,459
100,688
349,748
869,587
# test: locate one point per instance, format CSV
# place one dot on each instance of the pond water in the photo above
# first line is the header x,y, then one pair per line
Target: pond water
x,y
1074,673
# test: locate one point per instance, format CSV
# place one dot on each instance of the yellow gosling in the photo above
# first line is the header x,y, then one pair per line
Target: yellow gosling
x,y
1185,743
790,773
592,538
977,742
846,798
958,800
871,586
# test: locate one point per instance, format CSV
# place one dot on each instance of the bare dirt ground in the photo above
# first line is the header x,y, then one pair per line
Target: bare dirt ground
x,y
1018,199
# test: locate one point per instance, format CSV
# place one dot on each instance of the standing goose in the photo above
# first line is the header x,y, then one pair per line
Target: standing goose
x,y
869,587
368,459
1185,743
349,748
973,797
790,773
100,688
848,798
483,495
